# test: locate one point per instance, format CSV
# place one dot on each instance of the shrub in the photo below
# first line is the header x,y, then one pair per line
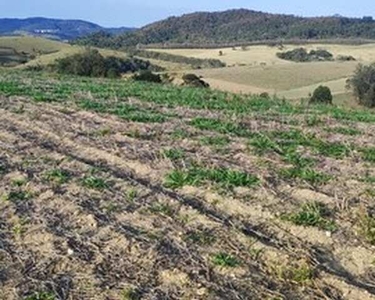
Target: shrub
x,y
345,58
321,95
91,63
363,85
301,55
194,80
147,76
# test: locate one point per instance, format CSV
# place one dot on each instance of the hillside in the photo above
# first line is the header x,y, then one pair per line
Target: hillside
x,y
114,189
53,28
240,26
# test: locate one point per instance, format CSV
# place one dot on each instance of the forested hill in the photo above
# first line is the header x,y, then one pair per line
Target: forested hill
x,y
238,26
53,28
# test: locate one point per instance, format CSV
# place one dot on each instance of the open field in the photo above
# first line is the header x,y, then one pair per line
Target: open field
x,y
113,189
258,69
44,51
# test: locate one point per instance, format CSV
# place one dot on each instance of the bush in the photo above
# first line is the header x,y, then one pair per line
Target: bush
x,y
91,63
194,81
321,95
147,76
345,58
301,55
363,85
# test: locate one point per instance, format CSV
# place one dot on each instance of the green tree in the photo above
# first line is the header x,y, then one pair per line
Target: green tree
x,y
363,85
321,95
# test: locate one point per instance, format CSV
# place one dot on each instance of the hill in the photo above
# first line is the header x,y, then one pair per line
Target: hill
x,y
240,26
53,28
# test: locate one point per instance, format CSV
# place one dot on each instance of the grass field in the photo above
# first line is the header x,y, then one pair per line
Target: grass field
x,y
257,69
44,51
114,189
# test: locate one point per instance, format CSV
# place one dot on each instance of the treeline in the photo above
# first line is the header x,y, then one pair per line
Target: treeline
x,y
196,63
236,27
91,63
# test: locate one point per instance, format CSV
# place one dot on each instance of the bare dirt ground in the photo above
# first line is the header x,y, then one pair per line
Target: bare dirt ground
x,y
86,214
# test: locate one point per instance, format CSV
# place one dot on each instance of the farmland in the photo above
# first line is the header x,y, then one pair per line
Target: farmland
x,y
114,189
42,51
257,69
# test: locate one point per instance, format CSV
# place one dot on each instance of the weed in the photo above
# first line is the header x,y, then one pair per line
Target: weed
x,y
366,224
177,179
201,237
180,134
174,154
306,174
221,127
18,182
41,296
198,175
218,141
131,195
368,154
255,253
18,195
93,182
313,120
345,131
335,149
162,208
57,176
104,132
300,275
312,214
262,144
130,294
225,260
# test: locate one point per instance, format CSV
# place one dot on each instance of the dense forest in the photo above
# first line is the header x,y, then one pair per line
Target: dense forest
x,y
237,26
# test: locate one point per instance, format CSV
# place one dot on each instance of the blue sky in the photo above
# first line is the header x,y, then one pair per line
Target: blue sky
x,y
140,12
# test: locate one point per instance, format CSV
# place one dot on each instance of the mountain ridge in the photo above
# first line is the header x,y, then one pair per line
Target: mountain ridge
x,y
242,26
60,29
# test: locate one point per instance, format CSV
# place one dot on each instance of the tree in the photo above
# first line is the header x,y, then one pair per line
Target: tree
x,y
321,95
363,85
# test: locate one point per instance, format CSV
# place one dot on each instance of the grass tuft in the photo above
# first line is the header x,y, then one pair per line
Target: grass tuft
x,y
312,214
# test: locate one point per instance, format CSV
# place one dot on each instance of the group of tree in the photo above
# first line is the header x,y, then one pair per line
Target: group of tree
x,y
236,27
195,63
362,84
301,55
91,63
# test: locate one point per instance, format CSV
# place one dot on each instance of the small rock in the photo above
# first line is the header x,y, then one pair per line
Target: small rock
x,y
70,252
328,233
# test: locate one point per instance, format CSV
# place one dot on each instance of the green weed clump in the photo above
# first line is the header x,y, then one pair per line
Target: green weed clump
x,y
312,214
221,127
196,176
96,183
368,154
174,154
225,260
41,296
366,224
345,131
57,176
218,141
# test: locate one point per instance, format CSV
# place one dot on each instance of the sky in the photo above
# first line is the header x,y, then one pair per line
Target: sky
x,y
136,13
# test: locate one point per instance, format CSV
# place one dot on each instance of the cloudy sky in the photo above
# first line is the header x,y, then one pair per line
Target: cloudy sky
x,y
140,12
